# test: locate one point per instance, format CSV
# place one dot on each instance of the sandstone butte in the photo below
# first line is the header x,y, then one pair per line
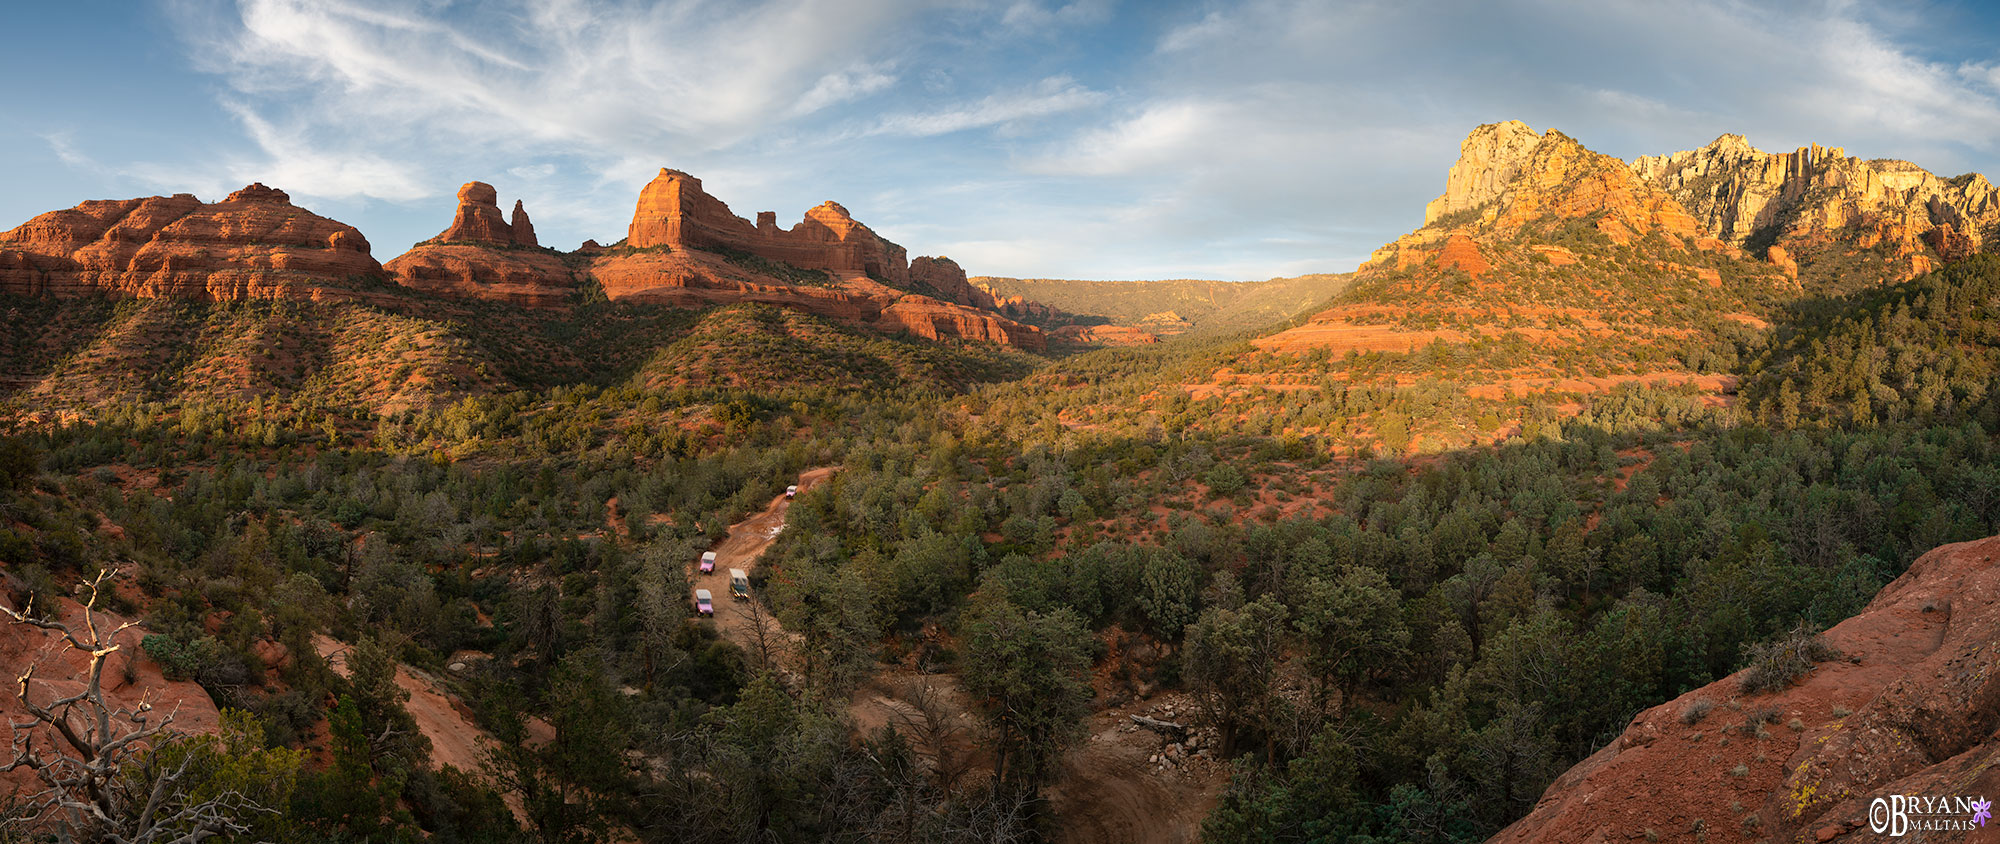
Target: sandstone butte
x,y
685,247
484,256
1911,709
254,244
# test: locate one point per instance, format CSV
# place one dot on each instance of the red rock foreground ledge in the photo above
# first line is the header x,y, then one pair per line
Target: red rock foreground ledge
x,y
1913,711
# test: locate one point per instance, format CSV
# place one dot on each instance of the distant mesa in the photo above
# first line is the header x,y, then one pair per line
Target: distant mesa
x,y
484,256
254,244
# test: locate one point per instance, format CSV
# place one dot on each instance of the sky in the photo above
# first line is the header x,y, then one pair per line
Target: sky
x,y
1092,139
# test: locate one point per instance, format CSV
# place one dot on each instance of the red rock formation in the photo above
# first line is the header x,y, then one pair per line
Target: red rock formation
x,y
255,243
1782,260
1509,180
1102,335
478,219
681,239
1821,195
946,277
1913,711
522,228
675,212
1021,307
1459,253
482,256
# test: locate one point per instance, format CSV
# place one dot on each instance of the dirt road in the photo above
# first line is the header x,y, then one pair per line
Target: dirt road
x,y
1111,791
741,621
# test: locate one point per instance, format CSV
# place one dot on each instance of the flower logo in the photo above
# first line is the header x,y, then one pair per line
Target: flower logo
x,y
1981,810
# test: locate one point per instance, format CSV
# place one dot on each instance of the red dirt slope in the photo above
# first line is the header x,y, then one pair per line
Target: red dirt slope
x,y
1912,711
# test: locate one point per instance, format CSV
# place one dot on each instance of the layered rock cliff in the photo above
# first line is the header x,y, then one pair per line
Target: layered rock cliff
x,y
1808,199
1507,178
484,256
675,212
686,248
255,243
1911,708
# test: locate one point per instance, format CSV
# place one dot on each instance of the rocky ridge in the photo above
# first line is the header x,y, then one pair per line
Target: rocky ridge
x,y
686,248
254,244
1816,196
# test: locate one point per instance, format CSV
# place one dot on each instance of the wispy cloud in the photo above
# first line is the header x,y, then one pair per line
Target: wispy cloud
x,y
1111,138
1051,96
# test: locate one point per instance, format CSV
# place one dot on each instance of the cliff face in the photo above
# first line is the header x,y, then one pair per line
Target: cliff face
x,y
676,213
483,256
1911,710
1488,160
255,243
1508,178
945,276
686,248
1817,195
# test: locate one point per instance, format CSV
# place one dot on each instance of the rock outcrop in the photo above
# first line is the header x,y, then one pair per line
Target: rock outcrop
x,y
1488,160
1816,195
676,213
483,256
686,248
254,244
945,276
1912,709
130,678
1507,178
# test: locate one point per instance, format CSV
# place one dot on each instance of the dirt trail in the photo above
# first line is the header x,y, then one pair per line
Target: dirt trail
x,y
455,740
738,620
1111,792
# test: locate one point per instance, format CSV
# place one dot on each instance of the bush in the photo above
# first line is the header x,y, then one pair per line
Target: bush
x,y
1696,711
1776,664
182,660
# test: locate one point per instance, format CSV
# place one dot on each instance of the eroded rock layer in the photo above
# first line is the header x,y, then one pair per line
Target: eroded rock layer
x,y
1753,198
483,256
686,248
254,244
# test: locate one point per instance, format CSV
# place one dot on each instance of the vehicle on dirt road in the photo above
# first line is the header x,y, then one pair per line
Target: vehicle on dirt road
x,y
707,561
791,492
739,584
704,603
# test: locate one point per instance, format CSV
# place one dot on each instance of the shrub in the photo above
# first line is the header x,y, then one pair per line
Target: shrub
x,y
1778,663
1696,711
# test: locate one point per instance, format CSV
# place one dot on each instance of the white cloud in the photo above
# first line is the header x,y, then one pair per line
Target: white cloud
x,y
1027,15
1269,133
1051,96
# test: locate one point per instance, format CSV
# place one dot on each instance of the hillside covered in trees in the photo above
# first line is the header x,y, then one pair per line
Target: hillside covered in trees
x,y
1396,563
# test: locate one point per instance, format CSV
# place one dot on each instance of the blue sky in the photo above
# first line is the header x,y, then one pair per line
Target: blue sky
x,y
1089,139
